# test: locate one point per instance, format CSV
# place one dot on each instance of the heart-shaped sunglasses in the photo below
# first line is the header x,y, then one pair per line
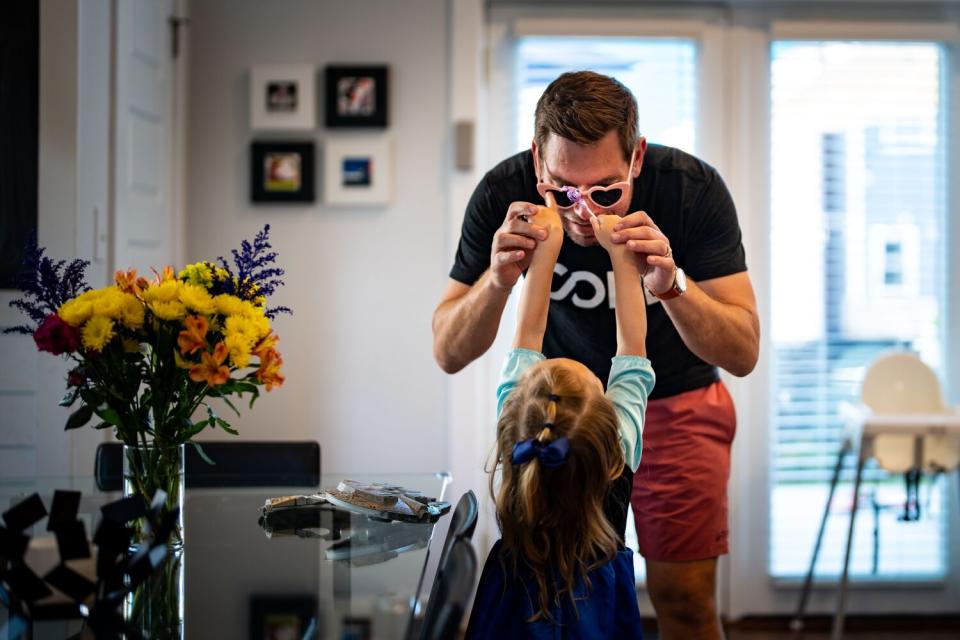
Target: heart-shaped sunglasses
x,y
604,197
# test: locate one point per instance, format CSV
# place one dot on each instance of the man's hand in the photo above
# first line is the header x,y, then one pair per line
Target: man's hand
x,y
643,237
513,244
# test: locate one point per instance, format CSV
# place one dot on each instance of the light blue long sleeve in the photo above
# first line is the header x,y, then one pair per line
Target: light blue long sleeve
x,y
630,383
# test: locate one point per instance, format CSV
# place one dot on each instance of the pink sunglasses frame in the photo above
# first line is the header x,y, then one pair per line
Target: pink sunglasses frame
x,y
576,196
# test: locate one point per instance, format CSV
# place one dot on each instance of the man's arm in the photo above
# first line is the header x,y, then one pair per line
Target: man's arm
x,y
717,319
466,320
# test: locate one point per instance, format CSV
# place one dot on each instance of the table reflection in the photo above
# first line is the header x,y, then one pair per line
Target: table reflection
x,y
326,573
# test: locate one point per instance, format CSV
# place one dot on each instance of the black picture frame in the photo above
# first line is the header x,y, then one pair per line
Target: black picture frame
x,y
357,96
294,612
282,171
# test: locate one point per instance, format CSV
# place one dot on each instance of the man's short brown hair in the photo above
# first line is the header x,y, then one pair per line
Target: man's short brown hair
x,y
583,106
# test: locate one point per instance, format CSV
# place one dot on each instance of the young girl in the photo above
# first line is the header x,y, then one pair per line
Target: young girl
x,y
559,570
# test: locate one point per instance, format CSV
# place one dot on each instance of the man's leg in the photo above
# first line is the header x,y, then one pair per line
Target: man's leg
x,y
684,595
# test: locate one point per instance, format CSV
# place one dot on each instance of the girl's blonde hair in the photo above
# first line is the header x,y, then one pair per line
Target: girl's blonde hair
x,y
552,519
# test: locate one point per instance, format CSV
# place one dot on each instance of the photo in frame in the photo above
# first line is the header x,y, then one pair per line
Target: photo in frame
x,y
357,170
282,171
282,98
356,96
280,617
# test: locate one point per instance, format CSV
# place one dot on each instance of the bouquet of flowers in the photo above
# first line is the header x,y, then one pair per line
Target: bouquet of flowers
x,y
149,353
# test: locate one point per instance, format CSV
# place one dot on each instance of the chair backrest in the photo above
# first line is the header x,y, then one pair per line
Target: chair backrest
x,y
455,582
899,382
463,523
236,464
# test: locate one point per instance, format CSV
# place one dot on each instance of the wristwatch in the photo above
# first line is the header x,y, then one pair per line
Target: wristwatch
x,y
678,289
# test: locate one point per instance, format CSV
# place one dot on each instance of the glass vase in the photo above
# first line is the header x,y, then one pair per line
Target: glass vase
x,y
150,468
155,608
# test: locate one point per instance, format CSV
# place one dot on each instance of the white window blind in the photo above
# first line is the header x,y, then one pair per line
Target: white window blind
x,y
857,212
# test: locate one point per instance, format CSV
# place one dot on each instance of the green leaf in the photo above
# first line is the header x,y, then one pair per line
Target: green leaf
x,y
70,397
79,417
230,404
203,454
226,427
109,415
193,430
256,394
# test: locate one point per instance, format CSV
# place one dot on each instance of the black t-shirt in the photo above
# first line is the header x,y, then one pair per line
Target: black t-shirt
x,y
688,201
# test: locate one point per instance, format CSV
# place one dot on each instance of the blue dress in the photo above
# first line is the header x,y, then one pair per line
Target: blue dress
x,y
505,603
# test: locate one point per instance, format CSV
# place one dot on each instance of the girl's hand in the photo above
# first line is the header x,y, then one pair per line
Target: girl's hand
x,y
549,219
603,228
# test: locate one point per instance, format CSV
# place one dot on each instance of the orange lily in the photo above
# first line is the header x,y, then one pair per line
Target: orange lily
x,y
268,343
128,282
269,371
211,369
168,274
194,336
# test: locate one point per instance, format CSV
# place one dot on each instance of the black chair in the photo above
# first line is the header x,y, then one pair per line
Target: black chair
x,y
463,522
455,582
236,464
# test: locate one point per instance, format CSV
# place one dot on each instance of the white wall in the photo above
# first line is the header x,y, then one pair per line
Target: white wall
x,y
362,282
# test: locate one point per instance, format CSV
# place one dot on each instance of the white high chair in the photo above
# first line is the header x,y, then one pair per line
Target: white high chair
x,y
902,423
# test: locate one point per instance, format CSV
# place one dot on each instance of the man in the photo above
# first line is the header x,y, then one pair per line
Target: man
x,y
679,220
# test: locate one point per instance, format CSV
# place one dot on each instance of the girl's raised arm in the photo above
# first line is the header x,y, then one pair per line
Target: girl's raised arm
x,y
631,304
535,298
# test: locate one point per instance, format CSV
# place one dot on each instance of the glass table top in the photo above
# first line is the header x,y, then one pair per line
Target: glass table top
x,y
323,574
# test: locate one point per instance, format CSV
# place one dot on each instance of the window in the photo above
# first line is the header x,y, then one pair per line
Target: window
x,y
858,216
661,73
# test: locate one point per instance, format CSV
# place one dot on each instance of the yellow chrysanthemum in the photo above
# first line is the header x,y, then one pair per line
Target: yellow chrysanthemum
x,y
109,303
239,346
97,333
130,345
198,273
167,291
254,315
78,310
75,312
228,305
241,325
169,310
131,315
196,299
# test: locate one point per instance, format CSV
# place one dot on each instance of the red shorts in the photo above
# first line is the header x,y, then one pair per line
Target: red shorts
x,y
680,490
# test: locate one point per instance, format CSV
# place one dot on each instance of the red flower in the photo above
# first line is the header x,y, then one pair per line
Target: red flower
x,y
56,336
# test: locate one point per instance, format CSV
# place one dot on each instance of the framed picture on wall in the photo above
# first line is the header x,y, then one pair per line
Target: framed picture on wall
x,y
282,98
357,170
273,617
282,171
356,96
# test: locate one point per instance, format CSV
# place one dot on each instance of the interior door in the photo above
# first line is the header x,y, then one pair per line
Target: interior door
x,y
144,230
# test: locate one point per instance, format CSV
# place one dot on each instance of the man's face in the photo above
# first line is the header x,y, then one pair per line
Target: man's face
x,y
565,163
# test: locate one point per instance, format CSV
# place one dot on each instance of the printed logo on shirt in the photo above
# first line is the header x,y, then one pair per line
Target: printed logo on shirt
x,y
586,289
